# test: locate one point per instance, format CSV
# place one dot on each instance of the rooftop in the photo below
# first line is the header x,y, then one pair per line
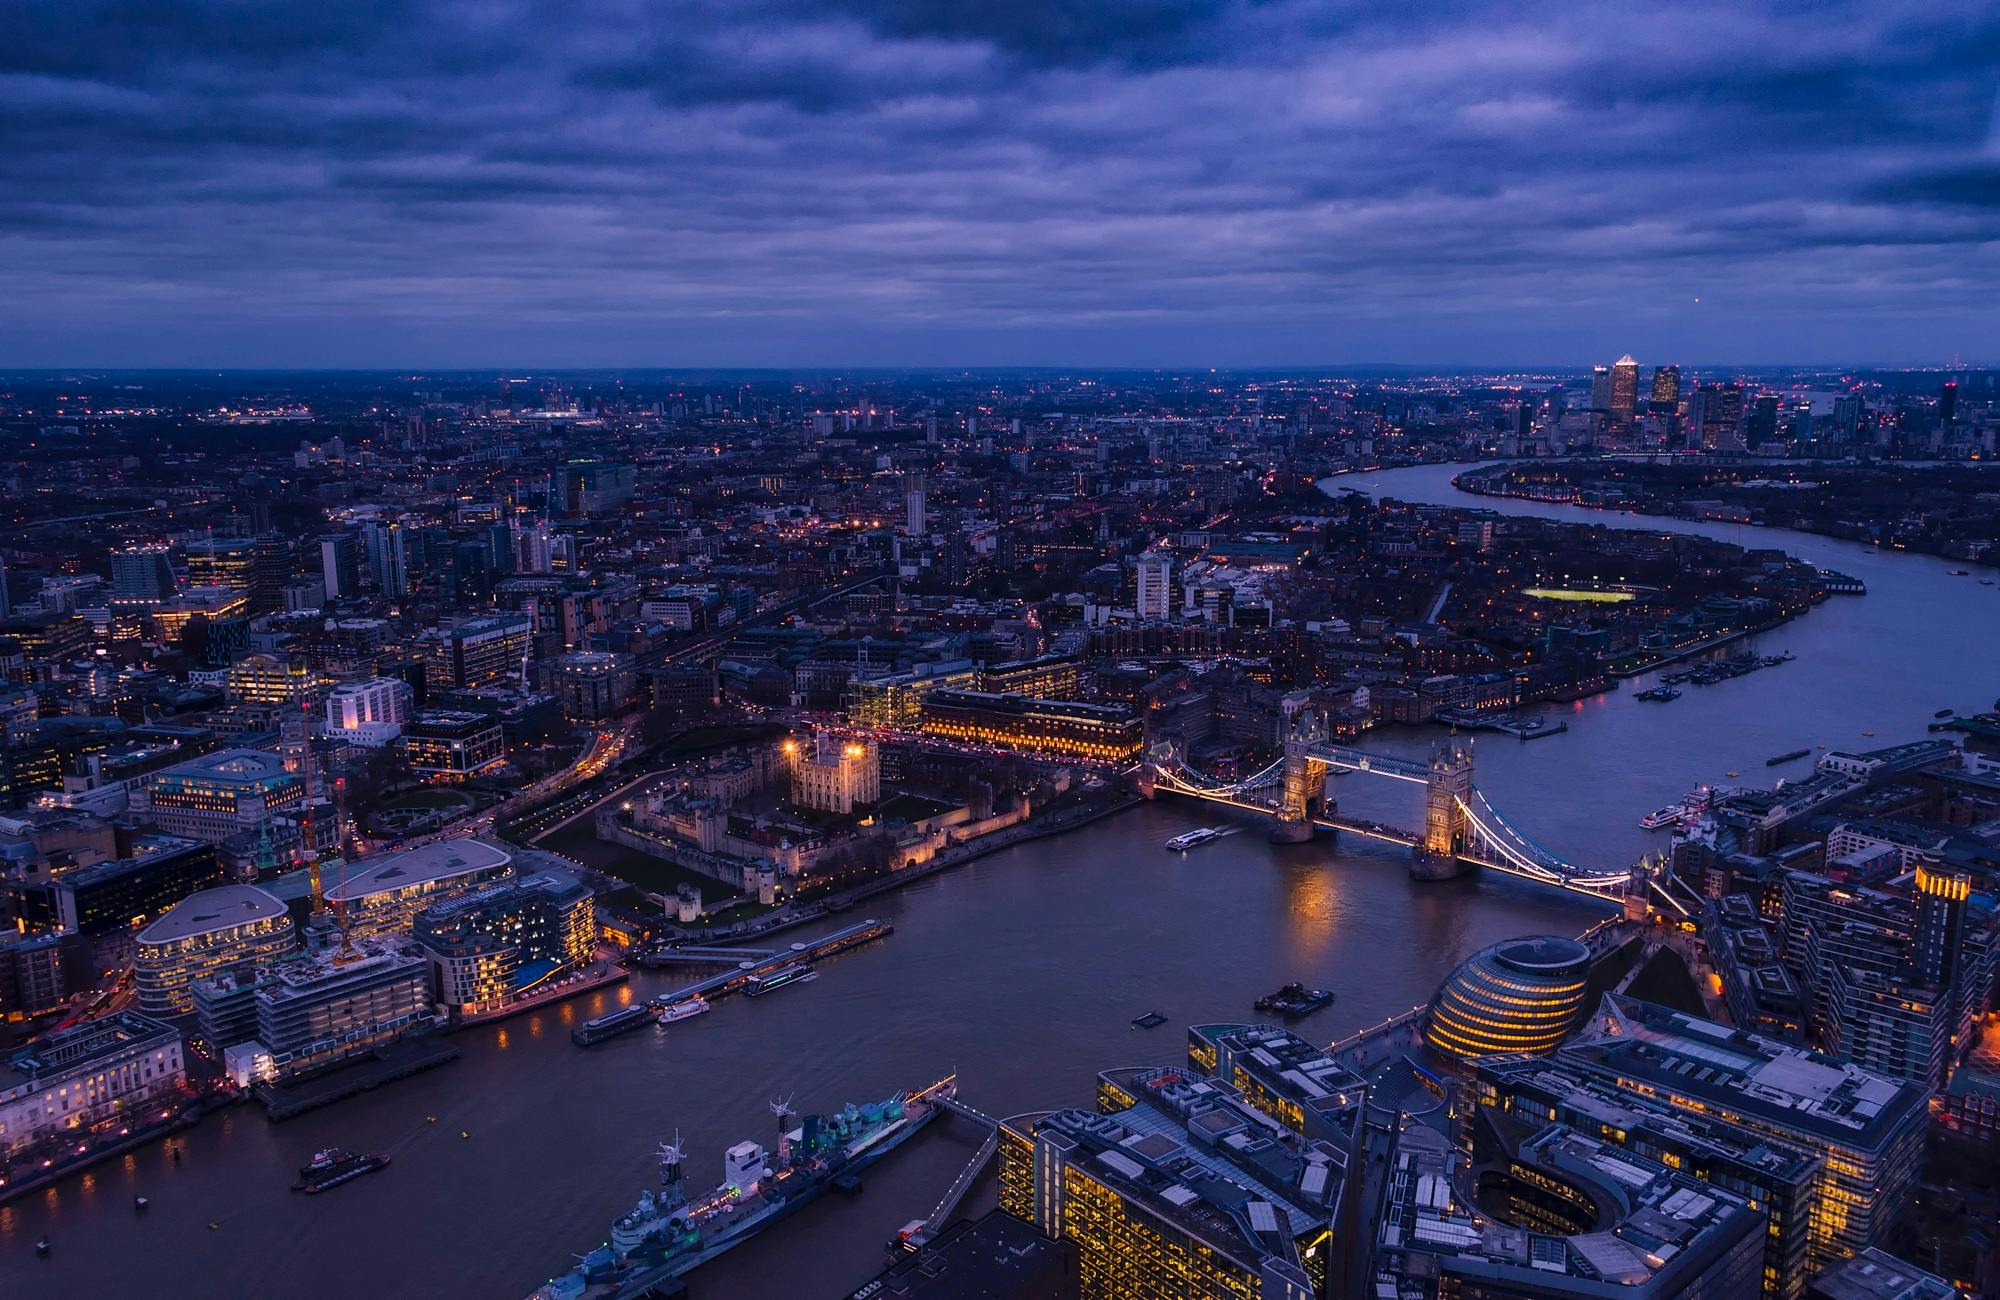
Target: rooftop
x,y
226,765
1763,1079
1656,1228
429,864
209,910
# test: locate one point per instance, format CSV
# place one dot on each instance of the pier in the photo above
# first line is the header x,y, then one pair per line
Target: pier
x,y
750,967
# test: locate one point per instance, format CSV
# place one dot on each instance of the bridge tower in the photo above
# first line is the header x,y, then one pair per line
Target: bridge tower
x,y
1447,830
1305,779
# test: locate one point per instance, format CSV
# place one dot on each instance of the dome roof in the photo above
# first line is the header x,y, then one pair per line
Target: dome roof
x,y
1520,995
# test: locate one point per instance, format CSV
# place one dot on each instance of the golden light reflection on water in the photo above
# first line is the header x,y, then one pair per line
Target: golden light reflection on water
x,y
500,1040
1312,904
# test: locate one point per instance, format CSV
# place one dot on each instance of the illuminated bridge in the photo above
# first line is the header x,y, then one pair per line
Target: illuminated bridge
x,y
1461,827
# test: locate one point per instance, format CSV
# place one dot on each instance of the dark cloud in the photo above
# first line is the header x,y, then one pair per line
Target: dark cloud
x,y
777,181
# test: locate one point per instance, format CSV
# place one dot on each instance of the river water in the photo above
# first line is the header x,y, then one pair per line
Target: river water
x,y
1020,971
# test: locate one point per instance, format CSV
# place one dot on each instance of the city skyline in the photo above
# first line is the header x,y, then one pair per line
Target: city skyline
x,y
1168,185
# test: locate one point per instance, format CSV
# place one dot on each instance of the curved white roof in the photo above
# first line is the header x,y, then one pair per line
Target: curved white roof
x,y
209,910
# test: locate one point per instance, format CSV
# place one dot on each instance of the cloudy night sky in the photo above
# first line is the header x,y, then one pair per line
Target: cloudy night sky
x,y
923,182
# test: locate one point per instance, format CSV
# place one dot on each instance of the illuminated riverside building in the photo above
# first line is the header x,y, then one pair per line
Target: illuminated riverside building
x,y
313,1010
73,1080
498,941
222,794
1521,995
1179,1187
1069,728
204,934
385,894
1866,1128
1561,1217
1284,1076
833,775
1530,1093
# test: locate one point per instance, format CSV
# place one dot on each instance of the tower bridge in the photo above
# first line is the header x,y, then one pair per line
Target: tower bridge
x,y
1462,829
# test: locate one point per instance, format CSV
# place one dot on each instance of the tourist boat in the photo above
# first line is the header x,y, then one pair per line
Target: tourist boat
x,y
333,1166
1149,1020
1660,817
1658,695
1200,835
685,1009
784,977
1959,573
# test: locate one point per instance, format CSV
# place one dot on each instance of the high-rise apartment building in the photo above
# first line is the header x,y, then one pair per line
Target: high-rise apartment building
x,y
142,576
1153,595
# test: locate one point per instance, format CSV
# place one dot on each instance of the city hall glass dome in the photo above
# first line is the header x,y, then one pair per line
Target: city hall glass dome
x,y
1523,995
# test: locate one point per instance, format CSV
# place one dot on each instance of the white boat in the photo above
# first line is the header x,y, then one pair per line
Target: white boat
x,y
1200,835
1660,817
685,1009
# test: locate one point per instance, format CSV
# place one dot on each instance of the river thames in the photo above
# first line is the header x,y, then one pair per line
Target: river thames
x,y
1021,972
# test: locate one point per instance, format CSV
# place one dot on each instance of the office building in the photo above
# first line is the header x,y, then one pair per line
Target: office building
x,y
1153,595
368,712
142,577
481,651
204,934
317,1010
38,972
1666,392
1600,388
222,794
589,487
271,567
593,686
115,1069
832,775
502,939
267,679
452,744
222,562
157,871
1521,995
387,553
914,519
339,567
1110,733
383,895
1624,387
1562,1216
1179,1187
1866,1128
1528,1093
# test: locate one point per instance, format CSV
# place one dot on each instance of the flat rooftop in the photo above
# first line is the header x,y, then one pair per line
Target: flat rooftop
x,y
429,864
214,909
1778,1083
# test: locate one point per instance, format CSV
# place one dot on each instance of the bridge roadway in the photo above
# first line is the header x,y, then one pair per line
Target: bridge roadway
x,y
1459,815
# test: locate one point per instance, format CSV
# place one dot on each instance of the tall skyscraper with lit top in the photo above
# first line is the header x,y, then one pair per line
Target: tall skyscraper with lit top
x,y
1625,387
